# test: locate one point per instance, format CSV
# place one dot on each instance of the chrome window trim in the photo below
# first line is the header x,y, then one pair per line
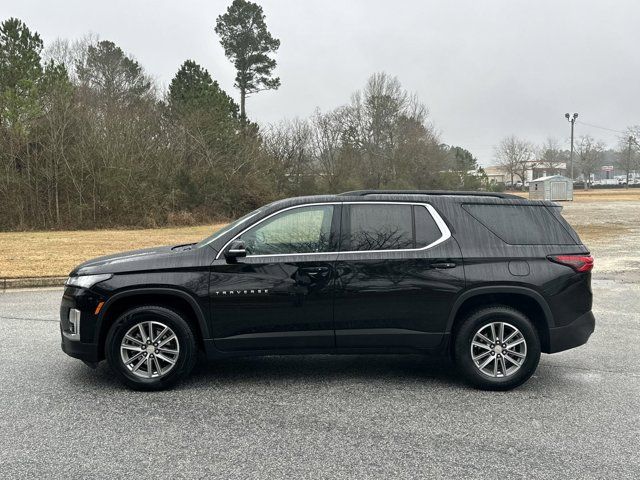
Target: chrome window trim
x,y
444,230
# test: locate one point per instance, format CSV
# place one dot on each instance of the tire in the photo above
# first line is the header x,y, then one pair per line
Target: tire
x,y
141,365
519,360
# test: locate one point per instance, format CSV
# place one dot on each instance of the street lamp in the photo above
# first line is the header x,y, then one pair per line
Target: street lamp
x,y
572,120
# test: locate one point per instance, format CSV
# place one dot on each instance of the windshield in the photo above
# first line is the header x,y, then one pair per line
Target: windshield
x,y
229,227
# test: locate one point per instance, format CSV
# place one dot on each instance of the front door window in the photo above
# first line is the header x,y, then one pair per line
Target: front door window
x,y
299,230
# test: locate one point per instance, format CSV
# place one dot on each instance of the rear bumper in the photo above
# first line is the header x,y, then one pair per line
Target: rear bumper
x,y
573,335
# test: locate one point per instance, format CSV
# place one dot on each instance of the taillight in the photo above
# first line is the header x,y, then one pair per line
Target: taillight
x,y
580,263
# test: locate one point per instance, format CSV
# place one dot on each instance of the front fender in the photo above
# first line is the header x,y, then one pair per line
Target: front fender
x,y
162,291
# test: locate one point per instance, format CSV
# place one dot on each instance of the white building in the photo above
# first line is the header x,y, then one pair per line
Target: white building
x,y
497,173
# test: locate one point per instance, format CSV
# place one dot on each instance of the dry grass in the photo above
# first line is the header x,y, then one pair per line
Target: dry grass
x,y
594,234
44,254
602,195
619,195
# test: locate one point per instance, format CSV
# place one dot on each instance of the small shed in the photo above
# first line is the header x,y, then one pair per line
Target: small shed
x,y
553,187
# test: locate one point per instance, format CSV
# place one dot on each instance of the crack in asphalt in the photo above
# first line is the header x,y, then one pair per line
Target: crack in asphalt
x,y
29,319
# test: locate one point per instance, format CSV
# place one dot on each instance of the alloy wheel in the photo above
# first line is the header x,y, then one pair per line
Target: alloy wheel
x,y
498,349
150,349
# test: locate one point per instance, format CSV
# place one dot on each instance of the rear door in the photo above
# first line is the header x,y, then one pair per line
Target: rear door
x,y
280,295
397,275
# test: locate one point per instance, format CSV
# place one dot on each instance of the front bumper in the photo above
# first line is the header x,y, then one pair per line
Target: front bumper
x,y
83,351
573,335
83,345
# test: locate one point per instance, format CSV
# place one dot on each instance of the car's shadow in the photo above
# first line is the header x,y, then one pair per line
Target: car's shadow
x,y
326,368
302,369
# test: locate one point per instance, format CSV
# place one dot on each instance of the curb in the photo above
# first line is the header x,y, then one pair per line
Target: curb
x,y
31,282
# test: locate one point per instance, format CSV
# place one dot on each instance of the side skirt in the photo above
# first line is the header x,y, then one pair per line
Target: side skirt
x,y
443,349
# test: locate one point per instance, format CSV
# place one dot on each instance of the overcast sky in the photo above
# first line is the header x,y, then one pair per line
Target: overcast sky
x,y
484,68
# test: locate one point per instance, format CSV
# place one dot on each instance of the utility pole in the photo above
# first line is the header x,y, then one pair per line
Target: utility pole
x,y
631,139
572,120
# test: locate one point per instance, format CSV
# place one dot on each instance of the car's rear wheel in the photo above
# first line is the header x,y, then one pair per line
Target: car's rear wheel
x,y
497,348
151,347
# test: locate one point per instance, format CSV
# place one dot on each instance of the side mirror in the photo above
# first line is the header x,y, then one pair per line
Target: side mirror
x,y
236,250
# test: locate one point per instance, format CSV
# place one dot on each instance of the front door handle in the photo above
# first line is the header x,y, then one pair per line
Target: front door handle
x,y
443,265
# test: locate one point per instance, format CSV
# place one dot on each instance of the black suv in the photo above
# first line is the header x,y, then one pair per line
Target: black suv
x,y
491,279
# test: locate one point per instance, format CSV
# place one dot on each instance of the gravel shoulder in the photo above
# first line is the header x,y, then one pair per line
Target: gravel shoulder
x,y
612,232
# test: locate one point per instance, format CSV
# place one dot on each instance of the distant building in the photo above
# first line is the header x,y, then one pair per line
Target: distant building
x,y
497,173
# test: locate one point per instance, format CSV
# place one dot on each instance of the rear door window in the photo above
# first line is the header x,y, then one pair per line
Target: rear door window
x,y
379,227
368,227
521,224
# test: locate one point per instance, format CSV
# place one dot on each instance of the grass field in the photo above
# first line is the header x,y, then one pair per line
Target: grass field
x,y
52,254
602,195
598,215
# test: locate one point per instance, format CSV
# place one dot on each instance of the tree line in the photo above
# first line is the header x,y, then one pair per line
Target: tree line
x,y
87,138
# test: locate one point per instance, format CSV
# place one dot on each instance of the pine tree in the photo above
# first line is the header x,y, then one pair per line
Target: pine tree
x,y
193,89
247,43
20,72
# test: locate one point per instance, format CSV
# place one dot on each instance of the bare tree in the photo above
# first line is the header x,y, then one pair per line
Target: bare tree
x,y
336,165
551,157
590,154
628,155
375,118
289,144
515,156
68,53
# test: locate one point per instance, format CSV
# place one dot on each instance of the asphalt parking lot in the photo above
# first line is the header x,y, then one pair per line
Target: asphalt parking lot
x,y
328,416
320,416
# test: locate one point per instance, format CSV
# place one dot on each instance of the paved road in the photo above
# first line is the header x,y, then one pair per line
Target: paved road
x,y
320,416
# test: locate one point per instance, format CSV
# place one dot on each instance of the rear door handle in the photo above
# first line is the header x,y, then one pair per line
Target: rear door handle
x,y
443,265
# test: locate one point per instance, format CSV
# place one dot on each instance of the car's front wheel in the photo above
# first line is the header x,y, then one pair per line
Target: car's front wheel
x,y
151,347
497,348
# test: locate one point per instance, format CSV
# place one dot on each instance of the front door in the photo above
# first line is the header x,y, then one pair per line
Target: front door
x,y
280,296
397,276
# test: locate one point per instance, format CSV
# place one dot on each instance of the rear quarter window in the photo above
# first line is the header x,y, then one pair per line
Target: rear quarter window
x,y
521,224
427,230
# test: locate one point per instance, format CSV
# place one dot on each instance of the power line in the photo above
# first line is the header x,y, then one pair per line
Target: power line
x,y
631,137
601,128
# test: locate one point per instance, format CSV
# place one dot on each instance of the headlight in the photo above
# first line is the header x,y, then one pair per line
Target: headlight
x,y
87,281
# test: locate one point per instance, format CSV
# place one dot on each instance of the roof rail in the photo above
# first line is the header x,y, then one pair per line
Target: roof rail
x,y
362,193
